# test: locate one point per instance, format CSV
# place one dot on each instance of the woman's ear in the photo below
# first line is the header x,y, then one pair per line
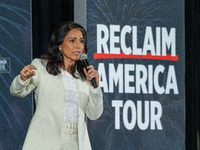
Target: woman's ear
x,y
59,47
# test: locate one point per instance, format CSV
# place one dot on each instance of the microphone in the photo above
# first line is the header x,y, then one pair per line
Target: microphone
x,y
83,58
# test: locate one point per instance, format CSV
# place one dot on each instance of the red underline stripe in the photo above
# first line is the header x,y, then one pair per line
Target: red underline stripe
x,y
122,55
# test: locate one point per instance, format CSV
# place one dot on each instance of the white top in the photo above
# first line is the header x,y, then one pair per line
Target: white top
x,y
71,97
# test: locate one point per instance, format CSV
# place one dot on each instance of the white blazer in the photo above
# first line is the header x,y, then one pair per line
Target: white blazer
x,y
45,129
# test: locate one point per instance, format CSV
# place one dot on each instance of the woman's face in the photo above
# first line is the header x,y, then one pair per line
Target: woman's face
x,y
73,45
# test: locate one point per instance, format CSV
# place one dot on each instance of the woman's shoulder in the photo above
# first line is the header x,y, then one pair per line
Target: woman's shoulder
x,y
38,62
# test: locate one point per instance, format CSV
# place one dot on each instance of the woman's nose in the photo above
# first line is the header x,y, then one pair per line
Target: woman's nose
x,y
78,44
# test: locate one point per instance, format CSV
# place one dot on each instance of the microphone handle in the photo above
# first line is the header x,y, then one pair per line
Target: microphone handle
x,y
86,64
94,83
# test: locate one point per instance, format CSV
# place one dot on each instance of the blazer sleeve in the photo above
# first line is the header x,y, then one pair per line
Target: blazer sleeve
x,y
19,90
95,104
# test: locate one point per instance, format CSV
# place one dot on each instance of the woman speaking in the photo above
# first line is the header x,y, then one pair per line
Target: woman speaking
x,y
64,94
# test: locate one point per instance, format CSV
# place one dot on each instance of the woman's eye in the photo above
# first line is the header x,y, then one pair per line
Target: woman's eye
x,y
72,41
82,41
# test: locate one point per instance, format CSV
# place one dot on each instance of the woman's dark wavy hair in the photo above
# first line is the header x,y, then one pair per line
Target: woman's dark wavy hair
x,y
55,58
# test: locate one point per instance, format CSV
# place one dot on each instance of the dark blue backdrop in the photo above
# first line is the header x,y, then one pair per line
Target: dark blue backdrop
x,y
15,53
140,13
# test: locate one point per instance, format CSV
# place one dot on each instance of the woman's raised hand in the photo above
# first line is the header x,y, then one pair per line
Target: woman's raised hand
x,y
27,72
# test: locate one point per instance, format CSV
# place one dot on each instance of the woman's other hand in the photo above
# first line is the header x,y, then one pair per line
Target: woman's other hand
x,y
92,73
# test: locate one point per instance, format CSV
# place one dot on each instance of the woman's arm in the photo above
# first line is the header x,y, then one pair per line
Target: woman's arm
x,y
20,89
95,104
